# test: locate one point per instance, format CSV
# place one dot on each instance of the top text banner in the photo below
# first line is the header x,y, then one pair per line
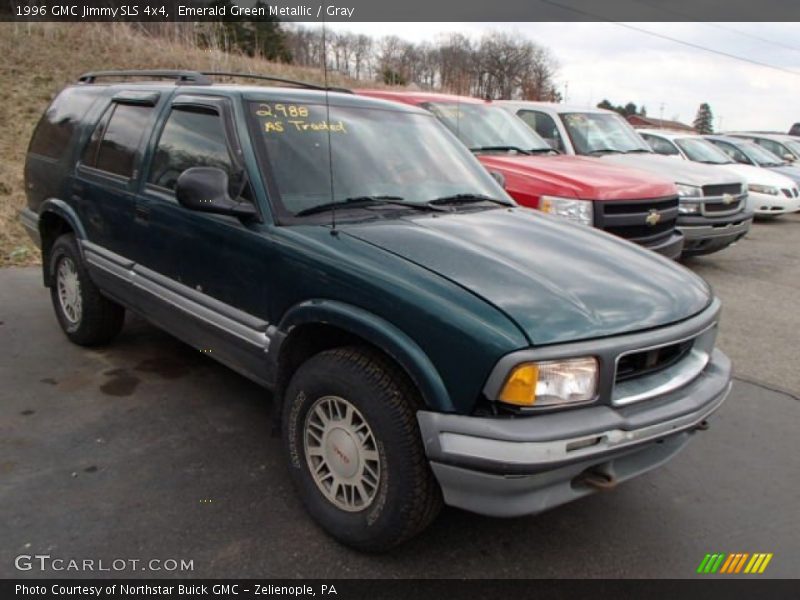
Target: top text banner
x,y
401,10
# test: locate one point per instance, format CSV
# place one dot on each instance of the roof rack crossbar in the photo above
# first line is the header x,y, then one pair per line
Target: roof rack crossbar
x,y
180,77
201,78
304,84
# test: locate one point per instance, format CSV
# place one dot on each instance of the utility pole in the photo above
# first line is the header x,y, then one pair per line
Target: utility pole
x,y
566,91
661,115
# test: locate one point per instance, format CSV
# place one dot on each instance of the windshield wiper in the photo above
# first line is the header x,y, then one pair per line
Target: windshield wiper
x,y
465,199
359,202
638,151
543,151
604,151
500,149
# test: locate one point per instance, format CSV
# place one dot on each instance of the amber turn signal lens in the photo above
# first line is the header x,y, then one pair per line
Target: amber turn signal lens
x,y
520,388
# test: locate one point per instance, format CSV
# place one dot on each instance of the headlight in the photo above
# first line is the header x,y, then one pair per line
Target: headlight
x,y
551,382
764,189
688,208
689,191
578,211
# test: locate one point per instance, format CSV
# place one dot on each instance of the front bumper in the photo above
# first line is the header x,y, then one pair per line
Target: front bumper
x,y
672,247
704,235
515,466
766,204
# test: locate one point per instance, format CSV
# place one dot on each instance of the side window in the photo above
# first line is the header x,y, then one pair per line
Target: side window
x,y
544,125
773,147
660,145
192,137
117,151
116,138
58,124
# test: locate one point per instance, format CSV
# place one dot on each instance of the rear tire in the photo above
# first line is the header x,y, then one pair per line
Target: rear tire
x,y
86,316
355,451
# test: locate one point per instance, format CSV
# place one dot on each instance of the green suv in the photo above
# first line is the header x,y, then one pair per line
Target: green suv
x,y
425,338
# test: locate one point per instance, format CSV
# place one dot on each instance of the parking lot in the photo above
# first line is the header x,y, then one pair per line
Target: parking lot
x,y
148,449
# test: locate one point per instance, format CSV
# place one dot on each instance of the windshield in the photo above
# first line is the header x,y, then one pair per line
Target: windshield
x,y
481,126
374,153
762,156
595,133
703,151
793,146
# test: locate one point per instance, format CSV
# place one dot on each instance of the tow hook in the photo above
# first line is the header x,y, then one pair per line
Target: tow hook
x,y
598,480
702,426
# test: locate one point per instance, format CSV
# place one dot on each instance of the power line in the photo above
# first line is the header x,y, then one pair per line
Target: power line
x,y
705,48
755,37
672,39
716,25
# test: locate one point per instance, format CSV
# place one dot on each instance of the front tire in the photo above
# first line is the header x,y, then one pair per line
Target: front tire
x,y
87,317
354,449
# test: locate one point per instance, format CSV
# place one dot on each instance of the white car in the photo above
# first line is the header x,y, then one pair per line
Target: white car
x,y
770,194
712,210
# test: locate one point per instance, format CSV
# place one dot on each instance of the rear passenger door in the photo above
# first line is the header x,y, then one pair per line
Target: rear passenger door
x,y
108,169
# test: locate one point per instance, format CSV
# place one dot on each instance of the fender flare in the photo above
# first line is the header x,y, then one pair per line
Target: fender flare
x,y
66,212
58,207
380,333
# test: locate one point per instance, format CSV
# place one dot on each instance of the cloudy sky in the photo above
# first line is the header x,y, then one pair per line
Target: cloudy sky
x,y
606,60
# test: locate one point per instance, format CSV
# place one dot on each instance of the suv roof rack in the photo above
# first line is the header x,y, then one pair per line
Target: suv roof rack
x,y
202,78
180,77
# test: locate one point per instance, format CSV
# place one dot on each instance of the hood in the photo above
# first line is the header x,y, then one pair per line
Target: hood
x,y
759,176
789,171
557,281
578,177
679,171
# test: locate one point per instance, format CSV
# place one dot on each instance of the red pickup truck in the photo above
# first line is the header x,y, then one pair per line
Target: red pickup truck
x,y
632,204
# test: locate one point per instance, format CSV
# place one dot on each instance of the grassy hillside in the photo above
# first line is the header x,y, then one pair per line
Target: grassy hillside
x,y
37,60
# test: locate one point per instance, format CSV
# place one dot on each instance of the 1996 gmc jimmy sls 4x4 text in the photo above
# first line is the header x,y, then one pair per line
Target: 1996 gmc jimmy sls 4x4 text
x,y
426,338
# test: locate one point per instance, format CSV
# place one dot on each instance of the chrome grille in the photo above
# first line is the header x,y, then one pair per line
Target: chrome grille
x,y
631,219
734,189
647,372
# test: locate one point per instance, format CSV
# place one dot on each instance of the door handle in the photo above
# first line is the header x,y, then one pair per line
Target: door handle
x,y
142,213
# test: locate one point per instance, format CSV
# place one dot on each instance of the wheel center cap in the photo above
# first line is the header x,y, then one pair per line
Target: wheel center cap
x,y
342,452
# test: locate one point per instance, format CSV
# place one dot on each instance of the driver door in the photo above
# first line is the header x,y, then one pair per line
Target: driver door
x,y
215,268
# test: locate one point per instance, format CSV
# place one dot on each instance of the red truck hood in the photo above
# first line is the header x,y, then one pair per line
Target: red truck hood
x,y
576,177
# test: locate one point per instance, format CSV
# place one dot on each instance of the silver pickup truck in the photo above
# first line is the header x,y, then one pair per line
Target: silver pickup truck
x,y
713,210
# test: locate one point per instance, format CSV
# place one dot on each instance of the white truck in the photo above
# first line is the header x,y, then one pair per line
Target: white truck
x,y
713,211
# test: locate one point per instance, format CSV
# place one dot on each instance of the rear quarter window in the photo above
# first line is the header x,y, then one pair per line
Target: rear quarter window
x,y
57,126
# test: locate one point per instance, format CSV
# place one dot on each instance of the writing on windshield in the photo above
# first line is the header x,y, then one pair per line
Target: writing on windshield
x,y
602,132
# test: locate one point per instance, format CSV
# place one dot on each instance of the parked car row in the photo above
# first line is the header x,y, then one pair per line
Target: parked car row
x,y
426,338
707,207
770,193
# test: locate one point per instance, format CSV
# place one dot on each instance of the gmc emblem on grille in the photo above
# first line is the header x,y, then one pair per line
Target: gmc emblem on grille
x,y
653,217
727,198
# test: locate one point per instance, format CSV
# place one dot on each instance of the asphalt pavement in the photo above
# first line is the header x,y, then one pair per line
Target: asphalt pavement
x,y
147,449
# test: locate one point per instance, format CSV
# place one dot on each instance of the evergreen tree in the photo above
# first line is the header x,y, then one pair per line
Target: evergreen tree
x,y
704,121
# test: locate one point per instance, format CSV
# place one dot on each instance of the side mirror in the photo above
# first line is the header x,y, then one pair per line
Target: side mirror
x,y
205,189
789,157
499,178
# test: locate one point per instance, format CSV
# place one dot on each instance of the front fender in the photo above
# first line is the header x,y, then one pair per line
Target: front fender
x,y
380,333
